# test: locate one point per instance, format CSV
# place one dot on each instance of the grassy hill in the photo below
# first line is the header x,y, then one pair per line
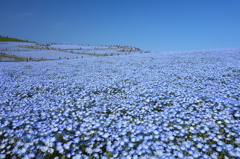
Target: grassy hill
x,y
6,38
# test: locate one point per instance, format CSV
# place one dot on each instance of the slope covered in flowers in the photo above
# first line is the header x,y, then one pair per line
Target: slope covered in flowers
x,y
53,51
157,105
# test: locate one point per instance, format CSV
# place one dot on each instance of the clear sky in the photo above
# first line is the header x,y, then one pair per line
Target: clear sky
x,y
156,25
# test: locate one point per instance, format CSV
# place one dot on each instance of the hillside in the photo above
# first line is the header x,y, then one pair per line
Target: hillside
x,y
155,105
11,48
6,38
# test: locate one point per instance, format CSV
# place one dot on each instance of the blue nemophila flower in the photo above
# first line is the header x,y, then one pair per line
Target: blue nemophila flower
x,y
179,154
89,150
67,145
229,147
44,148
126,105
214,155
196,154
237,152
205,156
200,145
219,148
59,148
77,156
237,141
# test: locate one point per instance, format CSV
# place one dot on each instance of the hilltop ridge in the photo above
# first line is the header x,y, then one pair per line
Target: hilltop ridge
x,y
6,38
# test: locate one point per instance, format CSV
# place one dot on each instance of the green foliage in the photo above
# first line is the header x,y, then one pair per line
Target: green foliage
x,y
16,59
6,38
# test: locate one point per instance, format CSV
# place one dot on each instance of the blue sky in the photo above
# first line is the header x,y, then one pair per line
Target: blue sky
x,y
156,25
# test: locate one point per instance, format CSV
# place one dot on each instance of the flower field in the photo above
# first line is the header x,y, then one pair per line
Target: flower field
x,y
155,105
61,51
